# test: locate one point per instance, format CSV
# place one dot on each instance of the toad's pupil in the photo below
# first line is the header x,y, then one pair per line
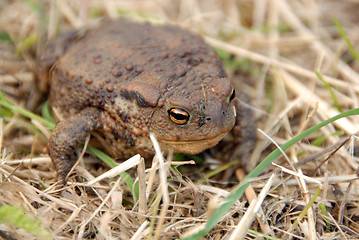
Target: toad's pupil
x,y
179,116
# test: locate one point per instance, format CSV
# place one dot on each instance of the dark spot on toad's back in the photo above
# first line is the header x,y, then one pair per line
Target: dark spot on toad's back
x,y
133,95
194,61
124,116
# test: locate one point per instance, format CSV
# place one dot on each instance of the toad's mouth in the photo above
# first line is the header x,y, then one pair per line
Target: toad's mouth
x,y
191,146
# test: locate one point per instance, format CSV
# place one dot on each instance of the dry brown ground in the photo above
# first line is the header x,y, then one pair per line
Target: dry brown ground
x,y
275,47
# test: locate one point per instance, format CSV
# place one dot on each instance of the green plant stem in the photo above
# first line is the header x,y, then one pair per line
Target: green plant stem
x,y
342,33
306,208
24,112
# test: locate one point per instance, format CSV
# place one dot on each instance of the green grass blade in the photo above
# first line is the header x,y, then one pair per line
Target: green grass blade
x,y
111,163
218,170
342,33
104,157
46,112
237,193
24,112
325,213
5,113
26,44
329,88
5,38
306,208
15,217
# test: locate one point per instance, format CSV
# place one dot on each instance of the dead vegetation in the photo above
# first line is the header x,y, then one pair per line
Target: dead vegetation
x,y
272,50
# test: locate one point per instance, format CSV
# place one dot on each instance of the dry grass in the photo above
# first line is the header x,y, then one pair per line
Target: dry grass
x,y
275,48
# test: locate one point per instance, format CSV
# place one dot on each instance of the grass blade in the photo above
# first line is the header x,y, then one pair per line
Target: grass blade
x,y
5,37
237,193
306,208
329,88
46,112
342,33
15,217
124,175
5,103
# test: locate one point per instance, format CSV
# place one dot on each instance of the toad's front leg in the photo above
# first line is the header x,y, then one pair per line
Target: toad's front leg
x,y
68,135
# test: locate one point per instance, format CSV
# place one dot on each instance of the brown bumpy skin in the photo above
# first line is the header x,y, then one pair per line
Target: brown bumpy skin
x,y
124,80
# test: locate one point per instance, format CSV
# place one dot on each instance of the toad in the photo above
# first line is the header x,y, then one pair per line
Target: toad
x,y
125,80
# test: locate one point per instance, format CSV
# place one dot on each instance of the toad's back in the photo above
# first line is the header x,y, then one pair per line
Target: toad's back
x,y
98,65
124,80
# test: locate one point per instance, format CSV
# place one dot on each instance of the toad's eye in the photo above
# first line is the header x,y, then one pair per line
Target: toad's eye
x,y
233,95
178,116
